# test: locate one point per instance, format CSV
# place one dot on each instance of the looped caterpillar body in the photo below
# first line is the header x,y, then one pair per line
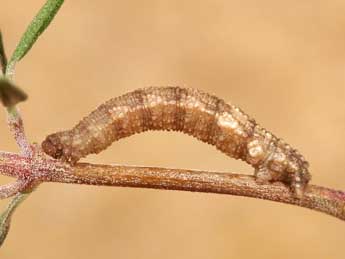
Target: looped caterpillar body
x,y
191,111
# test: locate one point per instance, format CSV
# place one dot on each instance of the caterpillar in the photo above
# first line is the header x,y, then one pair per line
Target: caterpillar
x,y
191,111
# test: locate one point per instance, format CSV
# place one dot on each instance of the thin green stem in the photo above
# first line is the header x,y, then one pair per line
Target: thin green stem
x,y
6,216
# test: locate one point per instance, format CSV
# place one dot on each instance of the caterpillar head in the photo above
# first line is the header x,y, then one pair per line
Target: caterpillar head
x,y
57,145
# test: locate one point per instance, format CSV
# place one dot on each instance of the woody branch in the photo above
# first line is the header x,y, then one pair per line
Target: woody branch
x,y
317,198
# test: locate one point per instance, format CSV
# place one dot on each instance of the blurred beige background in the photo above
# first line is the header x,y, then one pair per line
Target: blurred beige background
x,y
283,62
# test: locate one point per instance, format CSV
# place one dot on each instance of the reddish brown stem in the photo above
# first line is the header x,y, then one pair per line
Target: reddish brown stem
x,y
16,126
317,198
40,169
11,189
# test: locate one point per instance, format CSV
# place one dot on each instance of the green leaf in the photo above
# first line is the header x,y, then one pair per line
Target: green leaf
x,y
3,58
10,94
37,26
5,217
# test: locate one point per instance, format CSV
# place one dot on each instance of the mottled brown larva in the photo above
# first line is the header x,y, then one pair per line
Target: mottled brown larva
x,y
204,116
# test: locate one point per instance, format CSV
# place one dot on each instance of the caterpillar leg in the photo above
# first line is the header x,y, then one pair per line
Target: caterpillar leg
x,y
299,183
263,175
296,181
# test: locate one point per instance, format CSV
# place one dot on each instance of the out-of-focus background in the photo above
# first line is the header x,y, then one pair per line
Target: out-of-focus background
x,y
283,62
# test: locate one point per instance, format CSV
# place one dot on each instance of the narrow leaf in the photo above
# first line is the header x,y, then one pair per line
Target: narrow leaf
x,y
3,58
35,29
5,217
10,94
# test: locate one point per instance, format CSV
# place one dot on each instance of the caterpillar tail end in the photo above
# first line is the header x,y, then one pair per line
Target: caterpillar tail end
x,y
297,182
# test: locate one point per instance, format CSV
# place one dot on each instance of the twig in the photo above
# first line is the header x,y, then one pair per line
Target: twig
x,y
12,189
15,124
40,169
10,95
315,197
